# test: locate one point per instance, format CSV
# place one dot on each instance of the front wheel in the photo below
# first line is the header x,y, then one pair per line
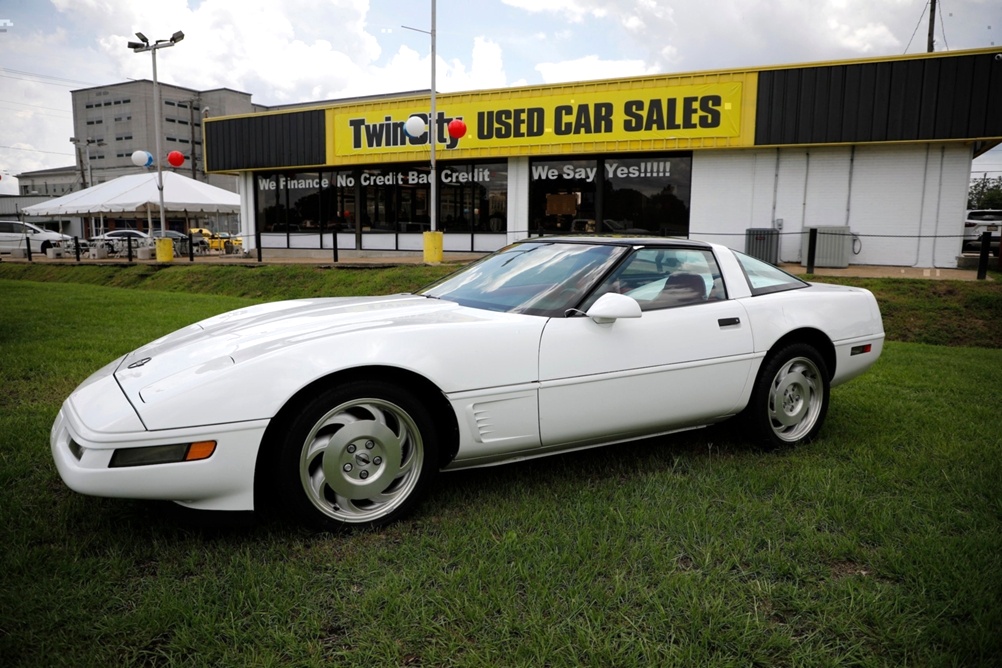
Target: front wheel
x,y
790,398
361,454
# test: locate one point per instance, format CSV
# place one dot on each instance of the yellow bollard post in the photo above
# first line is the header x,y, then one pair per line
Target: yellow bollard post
x,y
433,247
165,250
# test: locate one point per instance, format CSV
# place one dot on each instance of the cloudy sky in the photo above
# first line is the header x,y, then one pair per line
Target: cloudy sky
x,y
284,51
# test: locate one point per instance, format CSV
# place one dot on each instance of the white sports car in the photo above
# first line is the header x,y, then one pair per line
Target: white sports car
x,y
342,411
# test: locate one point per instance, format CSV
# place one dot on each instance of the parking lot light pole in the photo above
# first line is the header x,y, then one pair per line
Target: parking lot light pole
x,y
140,47
432,238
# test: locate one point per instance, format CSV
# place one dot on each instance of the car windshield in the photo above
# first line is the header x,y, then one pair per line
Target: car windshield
x,y
535,278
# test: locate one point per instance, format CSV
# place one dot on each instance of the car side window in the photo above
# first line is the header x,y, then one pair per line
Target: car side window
x,y
667,277
764,278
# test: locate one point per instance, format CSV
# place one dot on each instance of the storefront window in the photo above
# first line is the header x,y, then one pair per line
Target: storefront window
x,y
646,194
473,197
395,198
270,203
288,202
337,201
305,209
562,196
649,194
302,191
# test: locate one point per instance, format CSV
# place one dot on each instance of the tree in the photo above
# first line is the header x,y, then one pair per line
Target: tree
x,y
985,193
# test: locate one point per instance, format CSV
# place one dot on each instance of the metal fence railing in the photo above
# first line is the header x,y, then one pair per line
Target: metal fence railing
x,y
825,247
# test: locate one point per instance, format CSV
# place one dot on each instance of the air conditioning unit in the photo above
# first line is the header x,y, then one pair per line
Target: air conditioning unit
x,y
833,248
763,243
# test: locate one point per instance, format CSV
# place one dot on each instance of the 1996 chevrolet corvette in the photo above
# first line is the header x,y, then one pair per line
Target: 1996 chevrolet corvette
x,y
343,410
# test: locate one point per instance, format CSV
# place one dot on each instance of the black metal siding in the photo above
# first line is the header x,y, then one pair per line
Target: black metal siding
x,y
929,99
294,139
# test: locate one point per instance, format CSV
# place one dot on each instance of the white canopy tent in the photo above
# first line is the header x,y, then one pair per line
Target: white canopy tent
x,y
137,194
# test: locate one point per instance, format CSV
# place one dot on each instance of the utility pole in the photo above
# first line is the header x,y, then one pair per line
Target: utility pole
x,y
932,27
191,133
80,159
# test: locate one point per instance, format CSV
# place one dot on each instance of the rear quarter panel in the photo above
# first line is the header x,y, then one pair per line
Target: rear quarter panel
x,y
848,317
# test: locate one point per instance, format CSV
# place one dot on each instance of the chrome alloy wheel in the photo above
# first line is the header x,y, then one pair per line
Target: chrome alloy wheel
x,y
361,460
796,398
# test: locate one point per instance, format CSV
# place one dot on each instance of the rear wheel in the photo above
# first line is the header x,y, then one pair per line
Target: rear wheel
x,y
361,454
790,398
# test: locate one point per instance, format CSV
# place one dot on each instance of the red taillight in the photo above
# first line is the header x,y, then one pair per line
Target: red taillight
x,y
861,350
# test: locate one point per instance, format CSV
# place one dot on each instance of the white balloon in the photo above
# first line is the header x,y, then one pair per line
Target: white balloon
x,y
142,158
414,126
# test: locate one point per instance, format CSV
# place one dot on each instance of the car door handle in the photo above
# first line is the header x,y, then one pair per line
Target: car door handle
x,y
728,322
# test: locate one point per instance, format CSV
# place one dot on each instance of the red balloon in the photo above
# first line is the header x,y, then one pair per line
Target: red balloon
x,y
175,158
457,128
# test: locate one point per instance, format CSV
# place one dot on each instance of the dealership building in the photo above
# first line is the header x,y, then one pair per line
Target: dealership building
x,y
875,153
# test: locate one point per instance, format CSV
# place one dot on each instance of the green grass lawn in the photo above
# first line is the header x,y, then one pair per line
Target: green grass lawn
x,y
878,545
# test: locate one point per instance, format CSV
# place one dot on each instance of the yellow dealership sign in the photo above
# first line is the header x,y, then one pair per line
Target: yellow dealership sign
x,y
702,111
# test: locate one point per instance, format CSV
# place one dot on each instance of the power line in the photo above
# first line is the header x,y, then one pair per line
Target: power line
x,y
34,150
56,81
40,113
35,106
942,25
922,16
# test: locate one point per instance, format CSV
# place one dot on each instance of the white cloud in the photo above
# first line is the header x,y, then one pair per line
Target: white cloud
x,y
573,10
591,68
305,50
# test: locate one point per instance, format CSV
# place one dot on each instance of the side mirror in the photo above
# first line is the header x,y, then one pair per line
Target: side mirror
x,y
612,306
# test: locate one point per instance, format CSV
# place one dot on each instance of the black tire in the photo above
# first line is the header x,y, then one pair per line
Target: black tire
x,y
361,454
789,401
46,245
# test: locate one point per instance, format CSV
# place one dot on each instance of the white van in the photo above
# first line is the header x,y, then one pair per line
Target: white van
x,y
14,234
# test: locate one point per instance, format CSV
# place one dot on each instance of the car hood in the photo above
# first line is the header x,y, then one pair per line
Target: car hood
x,y
191,358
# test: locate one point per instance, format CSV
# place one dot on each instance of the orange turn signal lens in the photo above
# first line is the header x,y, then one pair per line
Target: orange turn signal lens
x,y
200,450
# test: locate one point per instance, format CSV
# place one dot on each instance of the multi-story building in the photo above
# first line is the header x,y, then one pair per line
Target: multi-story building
x,y
111,122
49,183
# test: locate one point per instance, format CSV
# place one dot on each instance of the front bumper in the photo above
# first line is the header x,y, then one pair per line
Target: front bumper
x,y
82,454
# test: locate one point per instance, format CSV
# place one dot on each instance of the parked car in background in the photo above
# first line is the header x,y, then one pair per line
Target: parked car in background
x,y
979,221
233,239
170,234
341,411
16,234
117,241
220,241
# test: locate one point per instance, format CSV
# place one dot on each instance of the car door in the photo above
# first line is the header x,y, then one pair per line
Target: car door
x,y
684,362
8,239
22,236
